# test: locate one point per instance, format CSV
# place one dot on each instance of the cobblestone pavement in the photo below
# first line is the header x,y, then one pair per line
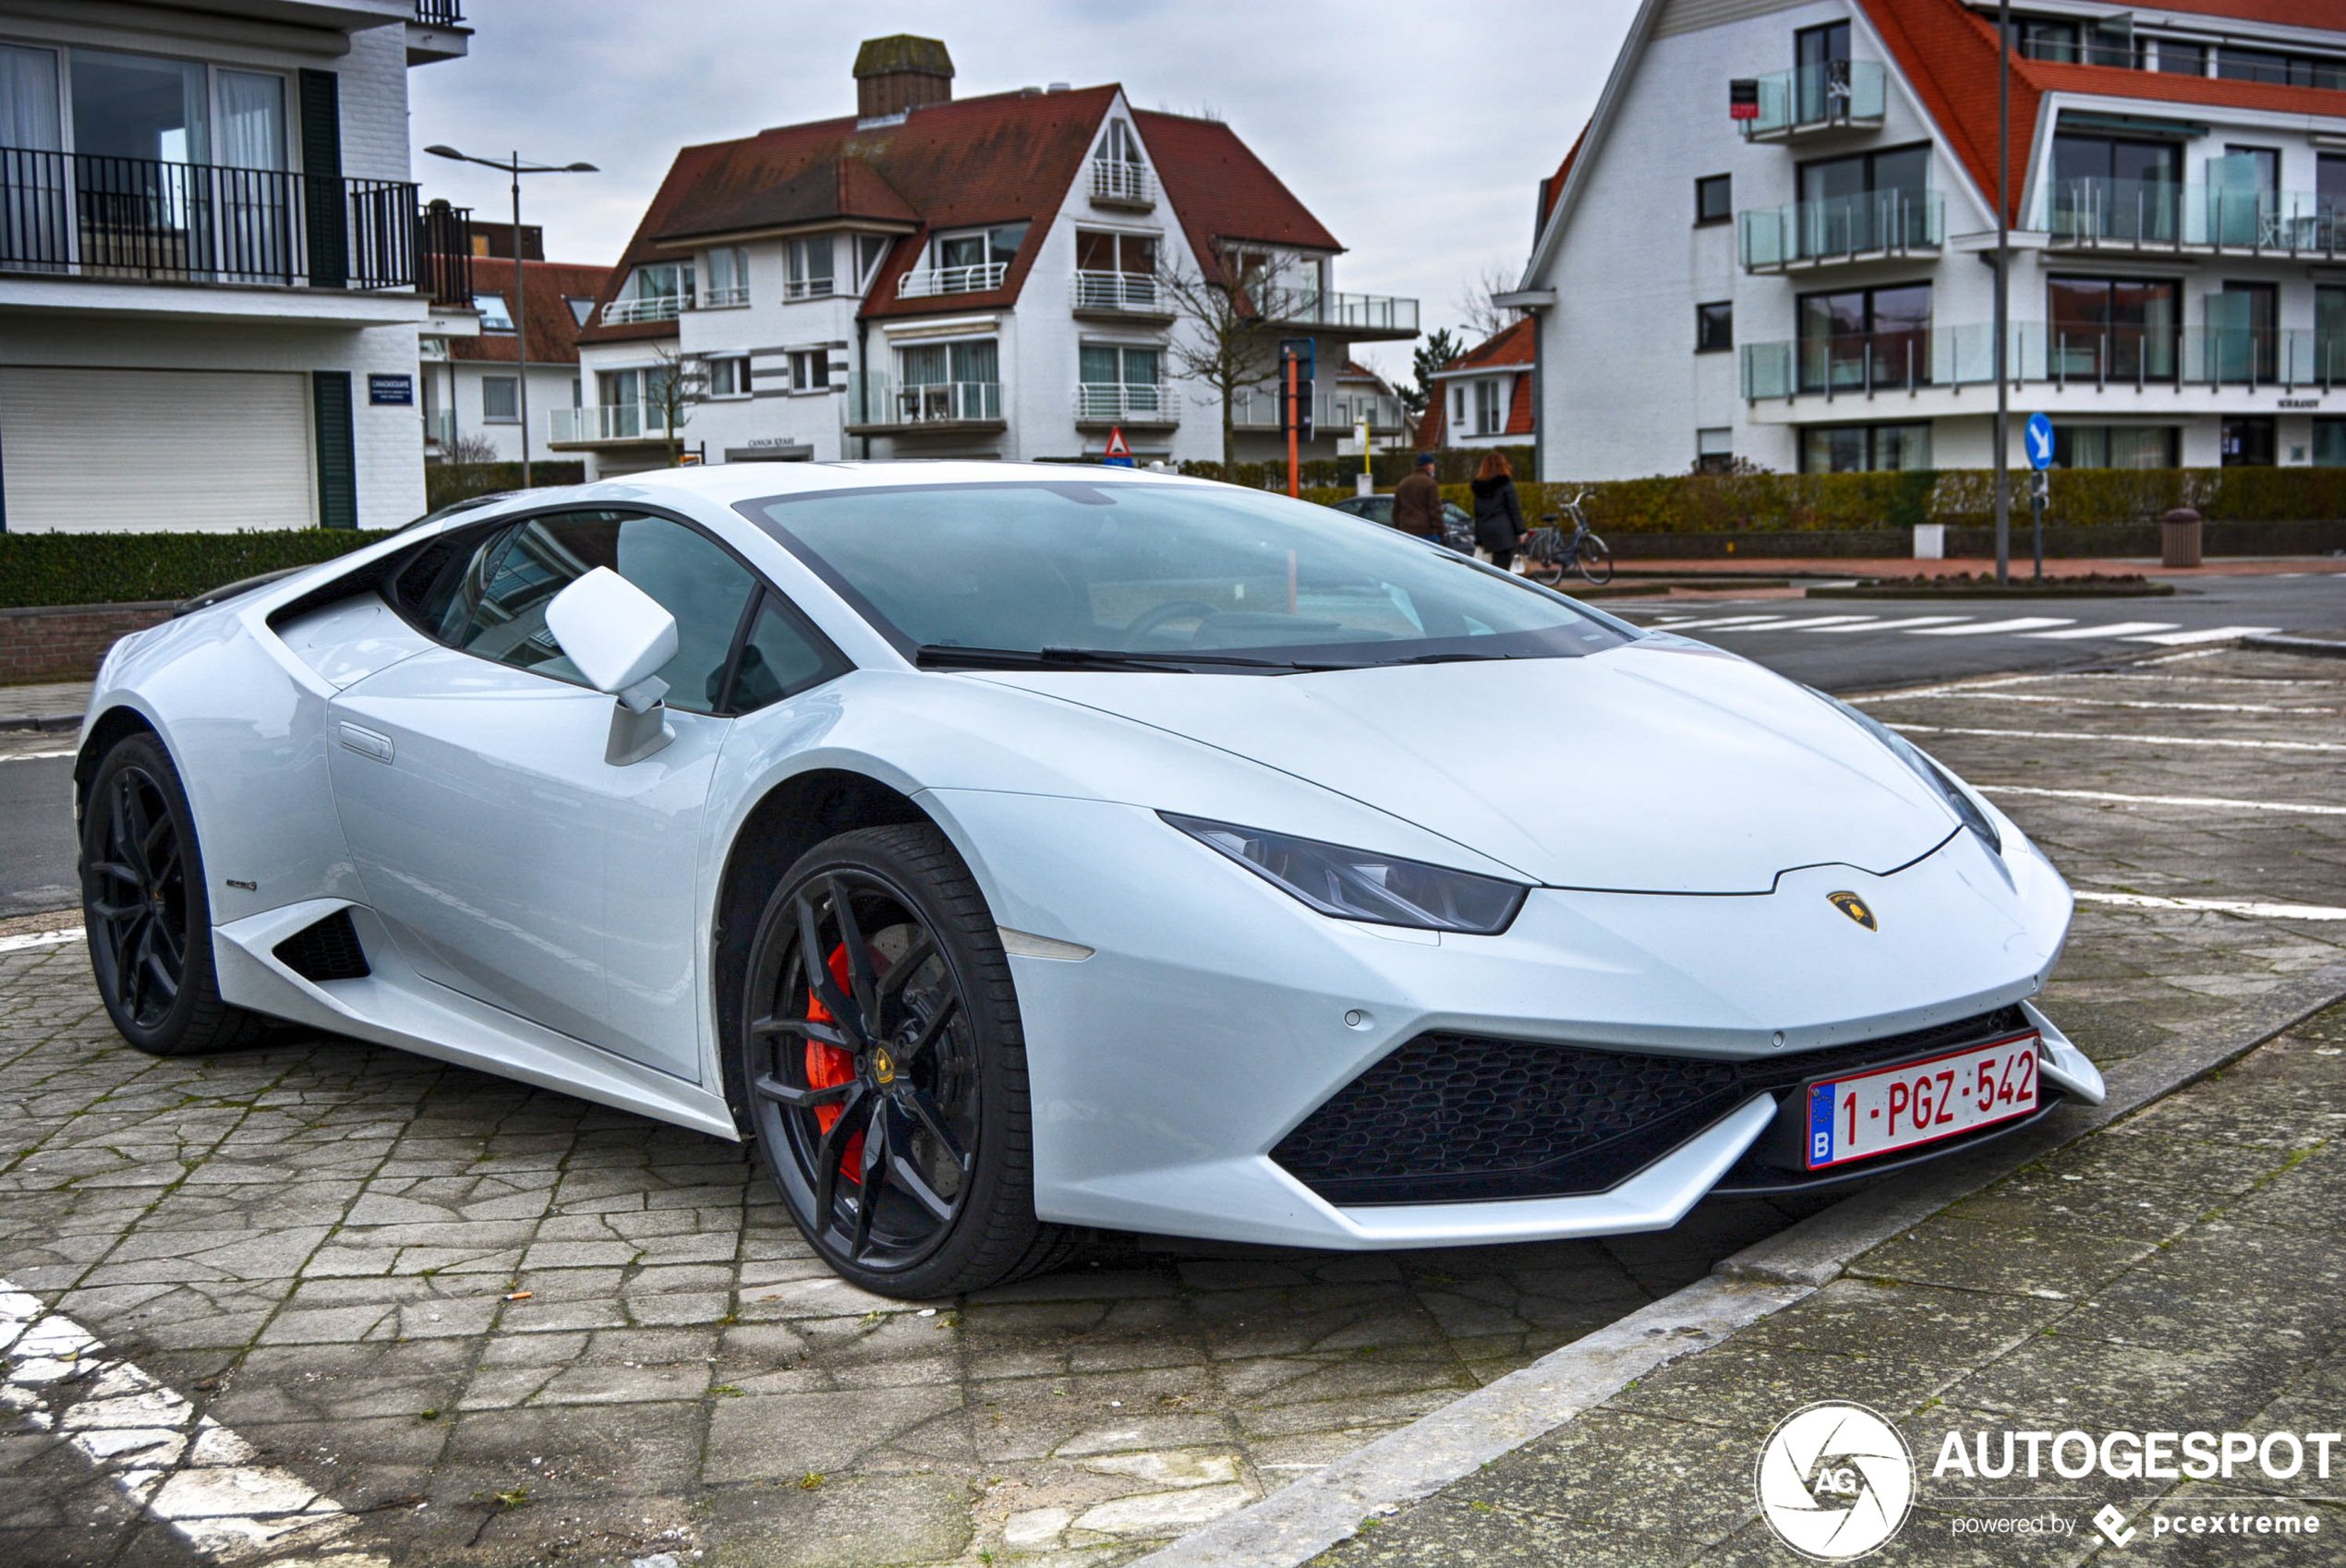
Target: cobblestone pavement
x,y
316,1243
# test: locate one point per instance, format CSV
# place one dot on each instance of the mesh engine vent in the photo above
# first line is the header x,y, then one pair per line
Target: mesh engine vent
x,y
327,950
1450,1117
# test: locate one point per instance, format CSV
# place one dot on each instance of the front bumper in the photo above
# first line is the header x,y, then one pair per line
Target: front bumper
x,y
1217,1013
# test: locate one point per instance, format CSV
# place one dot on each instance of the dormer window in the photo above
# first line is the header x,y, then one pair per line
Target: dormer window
x,y
1119,174
495,316
655,291
970,262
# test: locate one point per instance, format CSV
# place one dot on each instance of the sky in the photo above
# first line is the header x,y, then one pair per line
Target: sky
x,y
1417,134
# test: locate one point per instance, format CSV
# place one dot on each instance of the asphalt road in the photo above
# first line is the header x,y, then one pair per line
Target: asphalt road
x,y
36,824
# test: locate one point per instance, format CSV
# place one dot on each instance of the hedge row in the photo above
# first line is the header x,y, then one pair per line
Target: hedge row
x,y
50,569
446,482
1453,466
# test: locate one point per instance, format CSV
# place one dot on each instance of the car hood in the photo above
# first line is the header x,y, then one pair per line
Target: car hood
x,y
1657,766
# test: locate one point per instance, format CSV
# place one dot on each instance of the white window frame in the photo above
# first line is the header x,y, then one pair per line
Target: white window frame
x,y
730,295
63,54
867,273
798,279
738,374
799,360
512,385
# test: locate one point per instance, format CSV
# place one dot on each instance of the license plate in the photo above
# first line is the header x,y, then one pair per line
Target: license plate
x,y
1891,1108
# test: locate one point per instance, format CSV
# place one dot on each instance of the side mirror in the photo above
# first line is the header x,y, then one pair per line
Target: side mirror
x,y
618,635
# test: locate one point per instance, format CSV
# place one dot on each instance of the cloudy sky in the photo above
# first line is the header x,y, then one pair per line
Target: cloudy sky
x,y
1417,134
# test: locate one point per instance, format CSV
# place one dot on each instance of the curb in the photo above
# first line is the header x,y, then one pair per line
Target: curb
x,y
40,721
2280,642
1297,1524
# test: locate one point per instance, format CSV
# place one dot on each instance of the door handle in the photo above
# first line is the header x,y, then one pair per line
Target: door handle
x,y
366,742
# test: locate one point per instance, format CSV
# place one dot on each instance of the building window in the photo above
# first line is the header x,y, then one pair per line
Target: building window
x,y
1857,339
870,251
2177,59
810,369
2110,328
989,248
2329,443
950,381
1713,199
1902,172
807,267
1714,450
2104,187
1457,407
2281,71
2241,337
1118,379
1487,418
501,400
1714,327
2247,441
1821,82
495,317
728,277
1855,449
579,309
2117,446
728,376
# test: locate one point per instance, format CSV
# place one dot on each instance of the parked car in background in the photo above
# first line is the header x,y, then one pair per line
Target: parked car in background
x,y
1458,523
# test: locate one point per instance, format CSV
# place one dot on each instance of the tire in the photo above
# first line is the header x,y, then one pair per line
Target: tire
x,y
1547,573
145,908
1596,560
934,1097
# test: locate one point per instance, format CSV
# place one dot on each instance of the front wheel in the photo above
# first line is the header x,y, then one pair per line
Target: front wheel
x,y
885,1068
1595,561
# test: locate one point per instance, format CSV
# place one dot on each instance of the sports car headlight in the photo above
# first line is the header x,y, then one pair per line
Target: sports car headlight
x,y
1965,809
1362,885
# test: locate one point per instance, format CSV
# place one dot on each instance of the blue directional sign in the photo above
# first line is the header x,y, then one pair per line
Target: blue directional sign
x,y
2039,440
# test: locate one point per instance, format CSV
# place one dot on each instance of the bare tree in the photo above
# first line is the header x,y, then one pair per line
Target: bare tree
x,y
472,447
672,387
1229,347
1485,318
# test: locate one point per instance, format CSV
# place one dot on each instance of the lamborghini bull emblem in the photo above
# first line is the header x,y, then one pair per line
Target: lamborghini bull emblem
x,y
1854,907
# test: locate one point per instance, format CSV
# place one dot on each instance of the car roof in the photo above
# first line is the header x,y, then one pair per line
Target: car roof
x,y
729,484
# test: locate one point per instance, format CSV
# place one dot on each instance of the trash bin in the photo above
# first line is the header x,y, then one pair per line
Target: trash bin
x,y
2178,537
1930,541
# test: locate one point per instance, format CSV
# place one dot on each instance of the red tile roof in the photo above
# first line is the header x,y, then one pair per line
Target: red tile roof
x,y
1519,406
1511,344
2329,14
966,163
1555,185
553,331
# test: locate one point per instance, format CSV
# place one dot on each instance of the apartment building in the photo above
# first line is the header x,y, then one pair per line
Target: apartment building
x,y
212,270
1484,396
471,383
972,277
1812,288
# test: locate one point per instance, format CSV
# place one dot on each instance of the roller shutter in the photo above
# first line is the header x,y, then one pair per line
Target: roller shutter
x,y
212,450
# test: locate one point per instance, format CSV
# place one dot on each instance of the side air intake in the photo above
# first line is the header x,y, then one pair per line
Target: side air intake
x,y
327,950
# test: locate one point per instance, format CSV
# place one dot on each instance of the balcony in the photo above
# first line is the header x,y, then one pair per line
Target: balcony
x,y
606,424
1846,228
139,221
1257,408
650,308
1116,182
1113,402
1122,296
1844,95
877,405
441,13
2211,219
1950,358
981,278
1355,315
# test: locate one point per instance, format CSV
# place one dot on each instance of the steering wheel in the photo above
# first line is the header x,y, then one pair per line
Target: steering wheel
x,y
1149,621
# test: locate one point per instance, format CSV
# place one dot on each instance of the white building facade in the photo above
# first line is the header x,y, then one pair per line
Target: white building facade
x,y
1812,289
211,275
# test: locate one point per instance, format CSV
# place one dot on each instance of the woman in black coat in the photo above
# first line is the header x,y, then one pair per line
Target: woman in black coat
x,y
1498,515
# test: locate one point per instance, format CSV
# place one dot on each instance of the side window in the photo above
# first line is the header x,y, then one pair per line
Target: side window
x,y
780,657
504,594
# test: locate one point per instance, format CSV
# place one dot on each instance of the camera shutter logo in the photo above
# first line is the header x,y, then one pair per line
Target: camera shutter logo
x,y
1834,1481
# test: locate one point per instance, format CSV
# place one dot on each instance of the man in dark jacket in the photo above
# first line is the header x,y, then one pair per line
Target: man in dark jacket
x,y
1417,501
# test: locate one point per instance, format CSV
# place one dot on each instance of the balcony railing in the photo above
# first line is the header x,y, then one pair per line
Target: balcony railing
x,y
1135,292
440,429
1121,183
722,298
1882,222
807,288
951,280
1105,403
134,218
1304,307
444,254
439,13
2163,215
650,308
2119,50
608,422
876,401
1332,413
1957,357
1810,98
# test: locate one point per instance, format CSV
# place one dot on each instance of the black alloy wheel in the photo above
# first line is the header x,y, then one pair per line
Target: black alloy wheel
x,y
884,1070
145,911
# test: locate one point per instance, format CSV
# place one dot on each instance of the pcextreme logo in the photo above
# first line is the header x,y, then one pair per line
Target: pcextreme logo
x,y
1834,1481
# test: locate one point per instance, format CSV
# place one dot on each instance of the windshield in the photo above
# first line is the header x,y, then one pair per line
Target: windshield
x,y
1151,572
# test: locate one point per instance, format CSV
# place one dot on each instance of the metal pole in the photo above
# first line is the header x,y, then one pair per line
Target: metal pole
x,y
1294,418
521,326
2003,289
2040,484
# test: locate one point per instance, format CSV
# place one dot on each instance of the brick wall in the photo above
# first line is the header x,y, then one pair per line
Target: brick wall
x,y
67,641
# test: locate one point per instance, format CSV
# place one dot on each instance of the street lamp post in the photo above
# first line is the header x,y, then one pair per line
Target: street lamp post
x,y
515,168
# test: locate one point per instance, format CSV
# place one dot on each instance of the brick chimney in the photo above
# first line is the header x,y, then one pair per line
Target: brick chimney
x,y
900,73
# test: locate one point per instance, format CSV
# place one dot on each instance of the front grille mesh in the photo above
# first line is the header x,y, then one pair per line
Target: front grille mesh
x,y
1449,1116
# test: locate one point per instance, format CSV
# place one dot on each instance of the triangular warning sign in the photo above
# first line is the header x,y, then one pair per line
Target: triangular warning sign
x,y
1119,454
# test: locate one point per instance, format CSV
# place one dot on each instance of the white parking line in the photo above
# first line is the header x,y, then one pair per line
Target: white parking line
x,y
2205,634
2213,906
187,1470
1902,624
34,756
2214,802
1830,623
2116,629
1726,621
1973,694
2018,623
39,939
2132,740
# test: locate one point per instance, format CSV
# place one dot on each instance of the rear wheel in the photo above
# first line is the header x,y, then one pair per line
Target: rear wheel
x,y
145,913
1595,560
886,1072
1545,570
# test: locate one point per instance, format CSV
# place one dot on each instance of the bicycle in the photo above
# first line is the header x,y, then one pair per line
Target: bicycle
x,y
1548,555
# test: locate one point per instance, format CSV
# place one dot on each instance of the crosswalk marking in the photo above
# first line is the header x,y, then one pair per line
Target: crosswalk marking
x,y
2206,634
1723,622
2117,629
1901,625
2019,624
1830,623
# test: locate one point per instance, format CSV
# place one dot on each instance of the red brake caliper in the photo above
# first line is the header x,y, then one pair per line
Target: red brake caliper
x,y
828,1065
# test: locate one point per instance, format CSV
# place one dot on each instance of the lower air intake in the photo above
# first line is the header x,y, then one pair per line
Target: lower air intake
x,y
327,950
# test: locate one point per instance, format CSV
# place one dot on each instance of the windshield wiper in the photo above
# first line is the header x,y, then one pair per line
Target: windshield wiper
x,y
1457,658
951,656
